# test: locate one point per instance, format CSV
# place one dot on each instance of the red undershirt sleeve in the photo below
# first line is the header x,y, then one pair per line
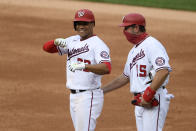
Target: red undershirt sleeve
x,y
108,64
50,47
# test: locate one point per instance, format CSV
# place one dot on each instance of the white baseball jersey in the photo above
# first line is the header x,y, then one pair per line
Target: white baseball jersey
x,y
142,58
90,51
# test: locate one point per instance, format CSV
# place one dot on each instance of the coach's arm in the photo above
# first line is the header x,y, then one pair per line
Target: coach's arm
x,y
118,82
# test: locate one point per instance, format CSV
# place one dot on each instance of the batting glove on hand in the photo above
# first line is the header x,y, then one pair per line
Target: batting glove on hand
x,y
138,99
60,42
76,66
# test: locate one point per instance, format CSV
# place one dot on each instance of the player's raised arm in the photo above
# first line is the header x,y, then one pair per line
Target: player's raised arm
x,y
57,45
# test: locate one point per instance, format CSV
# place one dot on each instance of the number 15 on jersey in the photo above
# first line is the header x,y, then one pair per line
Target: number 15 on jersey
x,y
141,70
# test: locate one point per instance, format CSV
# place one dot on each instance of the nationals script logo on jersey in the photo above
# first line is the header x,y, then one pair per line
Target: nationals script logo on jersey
x,y
75,52
139,56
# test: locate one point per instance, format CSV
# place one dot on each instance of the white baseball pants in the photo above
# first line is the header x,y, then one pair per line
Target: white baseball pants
x,y
85,108
153,119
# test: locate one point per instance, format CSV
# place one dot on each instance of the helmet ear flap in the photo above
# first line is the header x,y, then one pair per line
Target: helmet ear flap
x,y
93,23
74,24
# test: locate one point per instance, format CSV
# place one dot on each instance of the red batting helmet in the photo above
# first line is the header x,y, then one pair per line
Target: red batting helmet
x,y
84,15
133,18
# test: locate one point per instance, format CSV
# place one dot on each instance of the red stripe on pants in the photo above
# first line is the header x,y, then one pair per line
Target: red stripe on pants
x,y
90,112
158,113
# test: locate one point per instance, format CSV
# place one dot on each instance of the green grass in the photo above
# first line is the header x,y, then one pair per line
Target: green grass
x,y
189,5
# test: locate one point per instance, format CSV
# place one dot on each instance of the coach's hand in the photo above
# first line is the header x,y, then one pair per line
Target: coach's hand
x,y
139,101
76,66
60,42
145,104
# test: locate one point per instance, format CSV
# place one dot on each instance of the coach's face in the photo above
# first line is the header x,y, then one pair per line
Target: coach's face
x,y
84,29
133,29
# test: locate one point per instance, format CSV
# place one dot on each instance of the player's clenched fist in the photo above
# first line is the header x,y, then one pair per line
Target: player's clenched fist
x,y
76,66
60,42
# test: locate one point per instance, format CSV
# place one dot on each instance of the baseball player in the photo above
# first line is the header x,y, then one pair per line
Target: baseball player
x,y
147,69
87,60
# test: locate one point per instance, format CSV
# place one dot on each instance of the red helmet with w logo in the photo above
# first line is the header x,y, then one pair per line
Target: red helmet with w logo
x,y
84,15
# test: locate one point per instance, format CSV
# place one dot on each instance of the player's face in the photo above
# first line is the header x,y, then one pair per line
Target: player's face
x,y
84,29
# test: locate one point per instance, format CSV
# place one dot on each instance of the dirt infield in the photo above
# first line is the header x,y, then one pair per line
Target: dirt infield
x,y
33,96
